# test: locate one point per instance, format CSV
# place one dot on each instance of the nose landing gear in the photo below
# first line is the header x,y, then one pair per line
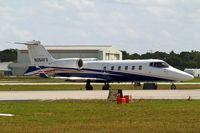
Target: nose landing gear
x,y
173,86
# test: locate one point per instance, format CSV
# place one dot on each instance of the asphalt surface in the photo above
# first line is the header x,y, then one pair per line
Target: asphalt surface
x,y
98,94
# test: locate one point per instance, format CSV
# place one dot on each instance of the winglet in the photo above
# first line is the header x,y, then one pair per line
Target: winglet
x,y
43,75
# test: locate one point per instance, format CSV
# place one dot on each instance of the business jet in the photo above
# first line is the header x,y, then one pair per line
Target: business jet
x,y
105,71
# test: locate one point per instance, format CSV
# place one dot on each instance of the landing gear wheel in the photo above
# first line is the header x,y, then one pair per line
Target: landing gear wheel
x,y
173,87
106,86
88,86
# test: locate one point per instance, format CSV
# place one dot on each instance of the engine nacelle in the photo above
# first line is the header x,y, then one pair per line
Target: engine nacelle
x,y
69,63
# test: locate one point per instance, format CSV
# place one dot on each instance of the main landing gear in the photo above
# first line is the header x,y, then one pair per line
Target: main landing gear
x,y
88,86
106,86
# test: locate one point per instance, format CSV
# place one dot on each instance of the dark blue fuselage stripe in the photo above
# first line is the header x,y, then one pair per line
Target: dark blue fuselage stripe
x,y
109,76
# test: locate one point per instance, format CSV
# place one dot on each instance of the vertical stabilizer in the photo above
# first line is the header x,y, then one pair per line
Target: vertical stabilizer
x,y
38,55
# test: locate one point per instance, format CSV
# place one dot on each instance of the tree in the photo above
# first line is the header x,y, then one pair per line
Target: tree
x,y
8,55
125,55
181,61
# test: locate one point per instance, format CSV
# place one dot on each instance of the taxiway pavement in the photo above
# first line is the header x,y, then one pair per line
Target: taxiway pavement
x,y
98,94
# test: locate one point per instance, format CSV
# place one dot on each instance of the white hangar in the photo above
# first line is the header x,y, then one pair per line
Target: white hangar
x,y
193,71
100,52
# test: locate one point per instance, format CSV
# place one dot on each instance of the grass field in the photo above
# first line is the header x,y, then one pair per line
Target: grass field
x,y
162,116
82,87
29,79
75,86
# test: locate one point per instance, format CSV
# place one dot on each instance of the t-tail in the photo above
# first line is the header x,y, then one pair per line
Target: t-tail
x,y
38,55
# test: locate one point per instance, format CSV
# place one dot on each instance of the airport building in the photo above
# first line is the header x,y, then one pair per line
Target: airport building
x,y
4,69
194,72
100,52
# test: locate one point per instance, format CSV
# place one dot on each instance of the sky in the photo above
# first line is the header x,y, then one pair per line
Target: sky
x,y
137,26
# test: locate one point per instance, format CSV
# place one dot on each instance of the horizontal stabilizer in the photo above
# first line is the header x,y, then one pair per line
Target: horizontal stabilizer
x,y
29,42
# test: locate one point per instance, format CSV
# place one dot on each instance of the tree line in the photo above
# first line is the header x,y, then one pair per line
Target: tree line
x,y
8,55
180,61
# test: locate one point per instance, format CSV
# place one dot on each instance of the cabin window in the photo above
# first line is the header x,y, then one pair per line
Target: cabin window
x,y
159,64
140,67
119,67
104,68
126,67
133,67
112,67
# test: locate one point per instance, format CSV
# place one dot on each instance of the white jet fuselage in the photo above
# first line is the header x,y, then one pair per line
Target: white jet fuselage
x,y
76,69
115,71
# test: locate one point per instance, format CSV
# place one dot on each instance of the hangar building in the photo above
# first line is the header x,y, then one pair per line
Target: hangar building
x,y
100,52
194,72
4,69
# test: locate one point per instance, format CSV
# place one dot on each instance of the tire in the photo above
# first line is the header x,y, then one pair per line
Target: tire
x,y
173,87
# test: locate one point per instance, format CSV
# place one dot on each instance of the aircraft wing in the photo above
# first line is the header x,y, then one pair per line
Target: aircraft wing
x,y
74,79
81,79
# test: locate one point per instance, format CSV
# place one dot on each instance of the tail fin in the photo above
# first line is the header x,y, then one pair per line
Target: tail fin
x,y
38,55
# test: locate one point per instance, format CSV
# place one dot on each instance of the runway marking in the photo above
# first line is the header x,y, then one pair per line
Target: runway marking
x,y
7,115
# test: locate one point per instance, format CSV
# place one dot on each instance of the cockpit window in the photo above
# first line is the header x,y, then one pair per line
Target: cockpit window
x,y
159,64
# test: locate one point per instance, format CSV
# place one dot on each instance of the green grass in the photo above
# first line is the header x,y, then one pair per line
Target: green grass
x,y
29,79
75,86
194,80
82,87
162,116
59,87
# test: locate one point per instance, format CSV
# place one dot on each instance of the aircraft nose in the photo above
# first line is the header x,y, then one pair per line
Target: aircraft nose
x,y
181,75
186,76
